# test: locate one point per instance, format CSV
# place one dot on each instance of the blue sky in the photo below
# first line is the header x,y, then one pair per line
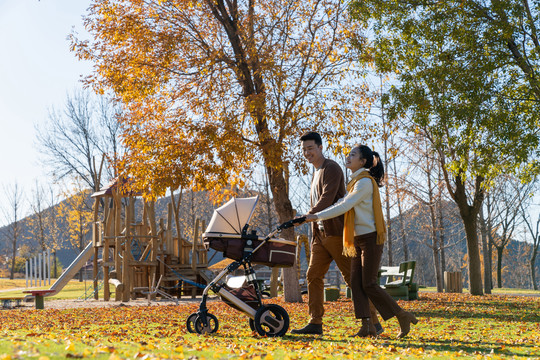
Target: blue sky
x,y
37,70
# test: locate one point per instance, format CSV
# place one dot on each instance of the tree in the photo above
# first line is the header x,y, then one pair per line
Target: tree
x,y
76,210
503,210
87,127
421,181
211,88
44,224
12,216
37,222
463,90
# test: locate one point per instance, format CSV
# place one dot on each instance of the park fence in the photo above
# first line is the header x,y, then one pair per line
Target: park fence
x,y
38,269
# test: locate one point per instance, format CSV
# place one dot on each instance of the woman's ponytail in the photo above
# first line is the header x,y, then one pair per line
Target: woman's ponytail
x,y
373,163
377,170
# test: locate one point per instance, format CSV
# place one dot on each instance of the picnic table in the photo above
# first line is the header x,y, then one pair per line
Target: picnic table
x,y
38,295
11,302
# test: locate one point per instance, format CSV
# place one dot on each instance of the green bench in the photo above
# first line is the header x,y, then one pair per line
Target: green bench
x,y
398,280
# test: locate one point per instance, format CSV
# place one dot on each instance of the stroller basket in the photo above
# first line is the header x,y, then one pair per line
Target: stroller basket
x,y
245,293
275,252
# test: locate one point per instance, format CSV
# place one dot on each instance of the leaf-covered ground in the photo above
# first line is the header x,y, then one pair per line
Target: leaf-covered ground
x,y
451,326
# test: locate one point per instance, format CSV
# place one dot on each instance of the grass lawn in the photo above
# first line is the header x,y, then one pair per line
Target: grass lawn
x,y
496,291
73,290
451,326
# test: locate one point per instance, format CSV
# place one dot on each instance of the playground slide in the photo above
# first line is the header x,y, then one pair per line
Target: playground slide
x,y
72,270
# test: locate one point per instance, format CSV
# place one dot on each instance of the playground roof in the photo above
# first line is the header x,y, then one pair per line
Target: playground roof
x,y
112,186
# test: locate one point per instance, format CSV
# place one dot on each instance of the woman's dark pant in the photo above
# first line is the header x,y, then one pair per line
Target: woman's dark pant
x,y
364,279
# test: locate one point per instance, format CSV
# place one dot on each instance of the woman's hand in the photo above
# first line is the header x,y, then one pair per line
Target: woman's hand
x,y
311,217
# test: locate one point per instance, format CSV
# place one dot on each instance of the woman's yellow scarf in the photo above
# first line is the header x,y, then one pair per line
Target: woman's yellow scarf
x,y
348,228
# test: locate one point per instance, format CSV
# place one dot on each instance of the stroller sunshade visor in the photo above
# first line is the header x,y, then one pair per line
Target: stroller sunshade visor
x,y
233,216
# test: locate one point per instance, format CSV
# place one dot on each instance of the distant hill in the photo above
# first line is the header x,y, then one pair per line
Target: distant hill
x,y
417,229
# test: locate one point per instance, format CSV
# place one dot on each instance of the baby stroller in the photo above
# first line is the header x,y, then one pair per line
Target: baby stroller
x,y
228,232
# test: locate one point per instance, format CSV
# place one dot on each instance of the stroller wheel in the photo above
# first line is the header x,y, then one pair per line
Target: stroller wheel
x,y
252,325
212,327
190,322
271,320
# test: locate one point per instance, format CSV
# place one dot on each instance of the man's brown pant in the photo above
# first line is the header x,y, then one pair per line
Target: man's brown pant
x,y
324,250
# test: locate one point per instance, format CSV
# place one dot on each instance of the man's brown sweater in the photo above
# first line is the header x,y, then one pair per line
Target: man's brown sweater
x,y
331,188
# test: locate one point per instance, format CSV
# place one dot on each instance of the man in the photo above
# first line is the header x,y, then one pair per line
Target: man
x,y
327,187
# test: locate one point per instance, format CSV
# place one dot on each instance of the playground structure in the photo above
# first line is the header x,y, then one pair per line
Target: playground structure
x,y
138,253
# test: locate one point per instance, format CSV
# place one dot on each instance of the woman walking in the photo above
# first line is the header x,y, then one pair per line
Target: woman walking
x,y
364,234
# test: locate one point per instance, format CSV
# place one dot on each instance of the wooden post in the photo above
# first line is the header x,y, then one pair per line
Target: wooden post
x,y
127,275
204,252
108,217
452,282
194,246
274,282
151,213
118,242
96,229
171,248
162,235
96,238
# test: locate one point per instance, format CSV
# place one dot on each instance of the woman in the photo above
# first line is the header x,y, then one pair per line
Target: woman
x,y
363,239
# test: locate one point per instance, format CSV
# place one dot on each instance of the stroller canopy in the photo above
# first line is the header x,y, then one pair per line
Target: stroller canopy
x,y
233,216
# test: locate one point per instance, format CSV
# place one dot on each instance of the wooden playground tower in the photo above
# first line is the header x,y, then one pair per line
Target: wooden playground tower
x,y
137,253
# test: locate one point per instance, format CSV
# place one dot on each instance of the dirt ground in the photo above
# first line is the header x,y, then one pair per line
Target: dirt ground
x,y
73,304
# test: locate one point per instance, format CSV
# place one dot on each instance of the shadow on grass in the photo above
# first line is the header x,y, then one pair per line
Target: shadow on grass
x,y
469,347
500,308
465,348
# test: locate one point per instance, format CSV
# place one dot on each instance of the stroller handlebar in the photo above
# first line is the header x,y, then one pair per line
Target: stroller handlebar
x,y
292,223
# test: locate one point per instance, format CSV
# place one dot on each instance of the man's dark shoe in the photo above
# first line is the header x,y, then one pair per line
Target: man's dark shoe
x,y
379,328
309,329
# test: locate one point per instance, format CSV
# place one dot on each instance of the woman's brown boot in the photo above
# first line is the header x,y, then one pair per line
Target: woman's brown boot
x,y
405,319
367,329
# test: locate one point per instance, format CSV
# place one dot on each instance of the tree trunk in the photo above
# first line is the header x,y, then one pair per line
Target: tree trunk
x,y
436,250
441,237
533,271
13,257
437,265
389,238
387,200
485,251
500,250
55,271
475,273
402,233
278,186
469,215
434,238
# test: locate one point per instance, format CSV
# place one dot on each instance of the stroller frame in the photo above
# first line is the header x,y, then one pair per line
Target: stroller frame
x,y
267,320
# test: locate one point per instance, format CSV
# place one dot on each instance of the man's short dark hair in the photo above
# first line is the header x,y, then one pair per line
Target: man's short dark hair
x,y
312,135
